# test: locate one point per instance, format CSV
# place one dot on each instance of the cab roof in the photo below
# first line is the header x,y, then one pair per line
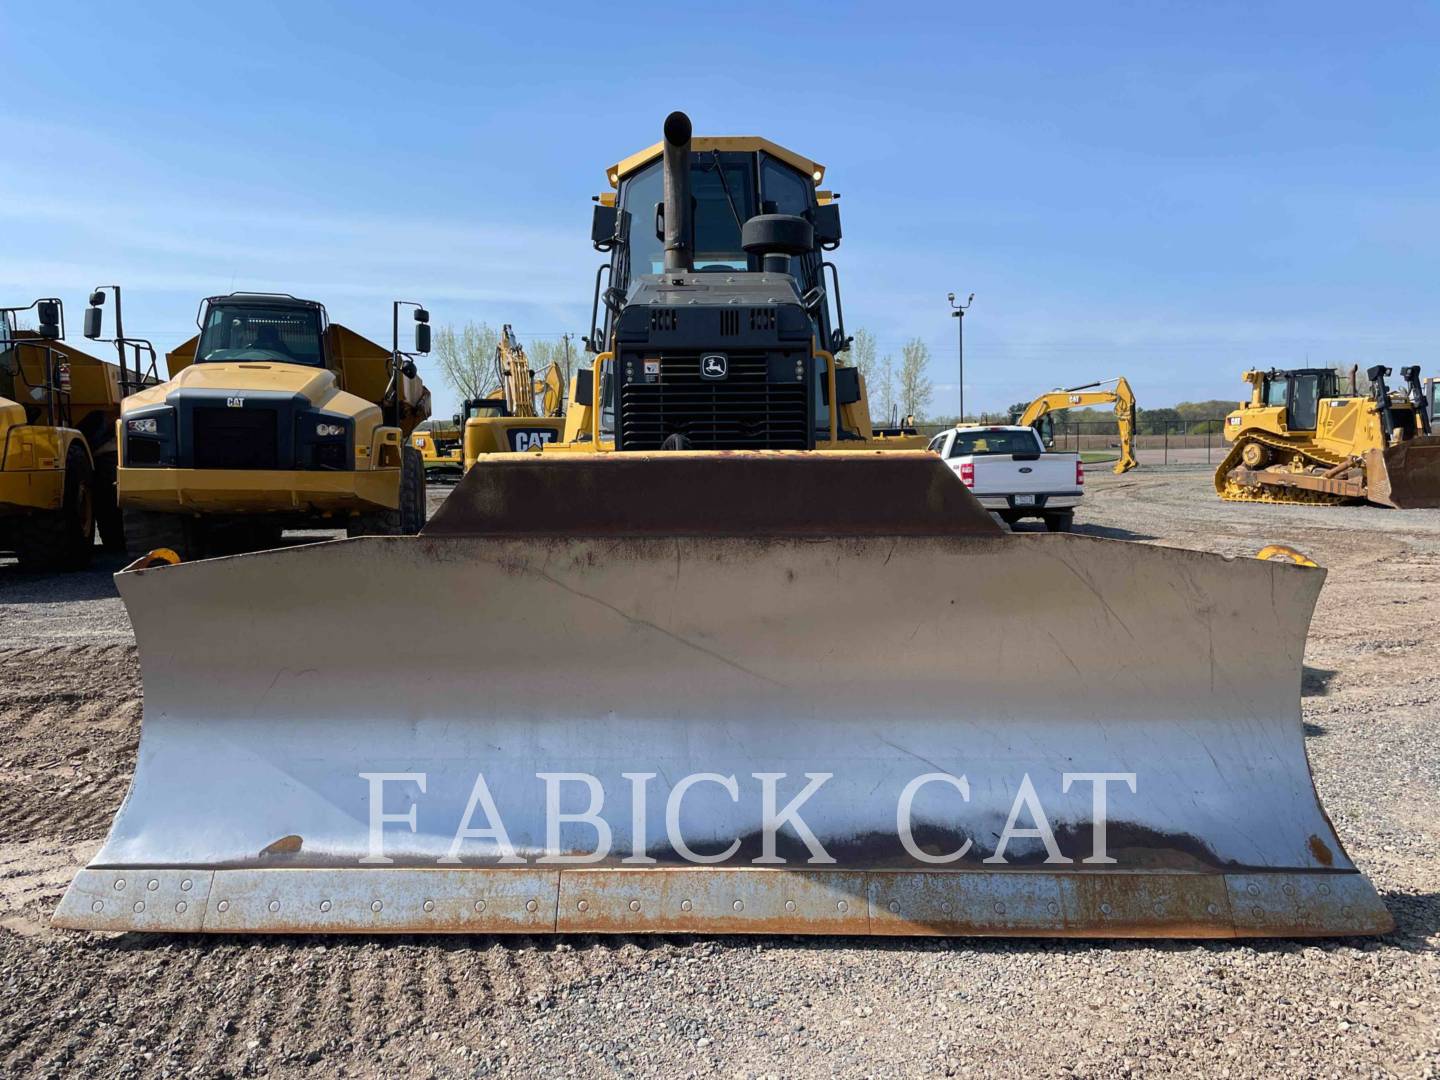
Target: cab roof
x,y
742,143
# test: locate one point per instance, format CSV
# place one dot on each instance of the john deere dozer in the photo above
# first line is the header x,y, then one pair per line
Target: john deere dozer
x,y
744,688
1302,438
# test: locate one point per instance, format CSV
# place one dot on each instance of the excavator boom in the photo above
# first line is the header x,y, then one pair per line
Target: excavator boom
x,y
1121,397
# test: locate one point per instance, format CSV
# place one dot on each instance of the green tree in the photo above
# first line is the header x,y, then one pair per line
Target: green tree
x,y
882,394
467,358
916,389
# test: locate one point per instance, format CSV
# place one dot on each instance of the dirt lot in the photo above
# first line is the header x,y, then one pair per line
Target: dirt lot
x,y
118,1005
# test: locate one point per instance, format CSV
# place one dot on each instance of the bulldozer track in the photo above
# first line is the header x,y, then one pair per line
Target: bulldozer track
x,y
1234,492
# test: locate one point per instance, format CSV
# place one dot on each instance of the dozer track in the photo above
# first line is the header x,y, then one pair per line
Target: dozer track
x,y
724,693
1236,483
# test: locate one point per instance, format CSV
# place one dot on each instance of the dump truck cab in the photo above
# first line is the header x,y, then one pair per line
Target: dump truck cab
x,y
717,327
273,418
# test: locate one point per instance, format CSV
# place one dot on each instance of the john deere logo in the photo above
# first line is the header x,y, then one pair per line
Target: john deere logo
x,y
714,366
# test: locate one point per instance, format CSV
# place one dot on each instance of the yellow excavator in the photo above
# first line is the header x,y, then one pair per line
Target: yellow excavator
x,y
1039,413
801,691
58,407
525,413
1304,438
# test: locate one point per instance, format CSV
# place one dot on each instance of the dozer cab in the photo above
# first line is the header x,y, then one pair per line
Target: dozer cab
x,y
273,418
1303,438
1040,413
737,687
58,407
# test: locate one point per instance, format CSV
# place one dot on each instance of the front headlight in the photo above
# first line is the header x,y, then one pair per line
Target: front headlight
x,y
146,425
329,429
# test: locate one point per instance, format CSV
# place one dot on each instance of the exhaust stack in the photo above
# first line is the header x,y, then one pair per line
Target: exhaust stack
x,y
679,227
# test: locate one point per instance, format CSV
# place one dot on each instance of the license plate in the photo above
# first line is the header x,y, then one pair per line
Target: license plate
x,y
1024,500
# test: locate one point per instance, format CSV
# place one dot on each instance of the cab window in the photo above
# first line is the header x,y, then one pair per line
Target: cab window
x,y
1275,391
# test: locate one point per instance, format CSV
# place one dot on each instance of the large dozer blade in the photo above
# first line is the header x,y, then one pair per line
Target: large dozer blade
x,y
723,693
1405,476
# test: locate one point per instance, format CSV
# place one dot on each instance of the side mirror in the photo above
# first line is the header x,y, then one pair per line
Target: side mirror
x,y
847,385
827,226
422,338
48,313
585,387
838,342
94,317
456,419
603,227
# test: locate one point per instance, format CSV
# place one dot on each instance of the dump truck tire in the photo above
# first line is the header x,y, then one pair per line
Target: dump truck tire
x,y
145,531
945,767
108,518
412,491
63,539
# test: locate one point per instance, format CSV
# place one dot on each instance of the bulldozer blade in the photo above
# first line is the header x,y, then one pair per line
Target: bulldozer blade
x,y
1405,476
957,732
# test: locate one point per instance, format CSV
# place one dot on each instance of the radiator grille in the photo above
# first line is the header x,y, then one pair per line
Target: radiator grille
x,y
744,411
236,438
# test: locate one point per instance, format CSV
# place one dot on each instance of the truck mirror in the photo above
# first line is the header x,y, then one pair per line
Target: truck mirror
x,y
48,312
827,226
602,227
422,338
93,318
422,315
97,298
456,419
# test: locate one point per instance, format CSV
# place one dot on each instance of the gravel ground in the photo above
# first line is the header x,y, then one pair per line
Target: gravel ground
x,y
120,1005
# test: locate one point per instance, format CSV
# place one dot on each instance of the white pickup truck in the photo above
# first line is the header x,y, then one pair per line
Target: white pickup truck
x,y
1008,470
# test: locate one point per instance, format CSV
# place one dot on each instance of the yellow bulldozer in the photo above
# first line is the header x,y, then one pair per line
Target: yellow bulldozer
x,y
1303,438
58,407
1040,413
713,681
439,446
273,418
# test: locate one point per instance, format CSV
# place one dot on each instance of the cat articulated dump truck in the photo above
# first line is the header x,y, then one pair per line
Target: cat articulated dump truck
x,y
1302,438
274,418
740,688
58,407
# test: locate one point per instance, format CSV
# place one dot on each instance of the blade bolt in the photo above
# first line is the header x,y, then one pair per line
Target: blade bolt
x,y
180,907
376,905
1324,890
324,905
1289,890
185,885
1253,889
1053,908
685,905
789,905
429,905
739,905
479,905
274,905
895,906
1105,909
634,905
120,883
224,905
98,905
1213,909
583,905
153,885
999,908
1257,912
139,906
531,905
843,907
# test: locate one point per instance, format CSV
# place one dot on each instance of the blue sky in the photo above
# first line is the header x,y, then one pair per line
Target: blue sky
x,y
1169,191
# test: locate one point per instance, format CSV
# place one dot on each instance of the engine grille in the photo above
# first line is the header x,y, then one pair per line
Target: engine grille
x,y
236,438
744,411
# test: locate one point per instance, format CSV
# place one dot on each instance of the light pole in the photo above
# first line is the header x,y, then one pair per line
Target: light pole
x,y
958,312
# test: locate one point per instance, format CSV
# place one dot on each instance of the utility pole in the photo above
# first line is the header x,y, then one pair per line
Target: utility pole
x,y
958,312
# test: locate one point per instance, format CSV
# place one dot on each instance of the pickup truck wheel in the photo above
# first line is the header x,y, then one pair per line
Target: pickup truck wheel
x,y
1060,522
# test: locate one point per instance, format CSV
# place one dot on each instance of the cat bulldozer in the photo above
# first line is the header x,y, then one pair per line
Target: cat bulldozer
x,y
58,407
714,681
1302,438
273,418
439,446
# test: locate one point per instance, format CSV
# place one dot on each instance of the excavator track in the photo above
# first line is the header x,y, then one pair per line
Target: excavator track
x,y
1233,490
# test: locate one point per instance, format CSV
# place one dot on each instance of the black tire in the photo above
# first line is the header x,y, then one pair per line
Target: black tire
x,y
62,539
410,517
146,530
1061,522
108,518
412,491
